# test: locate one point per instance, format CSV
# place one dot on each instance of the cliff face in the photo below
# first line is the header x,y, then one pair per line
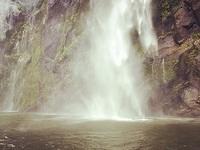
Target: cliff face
x,y
38,36
177,67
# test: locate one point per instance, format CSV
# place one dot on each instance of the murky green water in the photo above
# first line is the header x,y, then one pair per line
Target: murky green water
x,y
40,132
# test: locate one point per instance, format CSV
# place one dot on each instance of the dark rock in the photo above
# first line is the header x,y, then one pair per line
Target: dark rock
x,y
194,7
190,97
178,28
180,20
184,21
179,95
166,42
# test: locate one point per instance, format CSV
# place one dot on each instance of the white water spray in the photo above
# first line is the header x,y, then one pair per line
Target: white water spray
x,y
107,72
6,7
104,76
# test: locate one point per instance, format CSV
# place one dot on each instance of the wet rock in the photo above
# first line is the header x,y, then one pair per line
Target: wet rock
x,y
166,42
197,11
184,21
194,6
2,144
180,94
8,9
197,44
179,18
177,23
39,38
24,58
27,4
5,137
190,96
11,146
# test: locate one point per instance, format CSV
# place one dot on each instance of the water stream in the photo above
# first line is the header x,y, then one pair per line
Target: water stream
x,y
107,71
103,75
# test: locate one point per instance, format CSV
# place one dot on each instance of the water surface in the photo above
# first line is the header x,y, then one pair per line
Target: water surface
x,y
51,132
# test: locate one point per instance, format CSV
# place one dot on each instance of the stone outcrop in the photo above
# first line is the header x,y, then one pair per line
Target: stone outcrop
x,y
176,69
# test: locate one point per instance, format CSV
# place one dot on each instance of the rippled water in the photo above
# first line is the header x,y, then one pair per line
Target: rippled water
x,y
50,132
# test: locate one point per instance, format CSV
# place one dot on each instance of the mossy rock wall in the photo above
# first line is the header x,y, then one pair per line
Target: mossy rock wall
x,y
30,60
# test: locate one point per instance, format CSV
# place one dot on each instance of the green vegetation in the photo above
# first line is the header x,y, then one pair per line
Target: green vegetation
x,y
168,6
196,35
165,8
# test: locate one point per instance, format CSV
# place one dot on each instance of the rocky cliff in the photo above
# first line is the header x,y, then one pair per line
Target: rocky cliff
x,y
38,36
176,69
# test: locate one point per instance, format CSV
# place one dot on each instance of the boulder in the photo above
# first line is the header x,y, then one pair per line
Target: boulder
x,y
166,42
190,97
184,21
196,10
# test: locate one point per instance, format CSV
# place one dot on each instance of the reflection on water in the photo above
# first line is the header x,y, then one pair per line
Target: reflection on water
x,y
39,132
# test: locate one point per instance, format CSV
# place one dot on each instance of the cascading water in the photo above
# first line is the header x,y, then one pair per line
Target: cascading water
x,y
103,76
6,7
163,70
118,81
118,85
107,72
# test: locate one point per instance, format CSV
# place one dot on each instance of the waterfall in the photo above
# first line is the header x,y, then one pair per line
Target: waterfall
x,y
100,73
107,71
163,71
6,7
14,89
118,84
